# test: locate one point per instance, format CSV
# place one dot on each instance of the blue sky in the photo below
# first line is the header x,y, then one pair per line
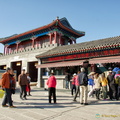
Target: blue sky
x,y
98,18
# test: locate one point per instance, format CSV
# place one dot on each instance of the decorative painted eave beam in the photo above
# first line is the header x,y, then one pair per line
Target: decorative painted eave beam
x,y
28,38
28,32
62,33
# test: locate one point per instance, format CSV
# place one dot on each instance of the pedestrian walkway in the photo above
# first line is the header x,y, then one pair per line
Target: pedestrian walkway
x,y
38,108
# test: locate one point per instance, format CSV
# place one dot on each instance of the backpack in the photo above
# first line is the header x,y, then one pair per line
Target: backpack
x,y
0,82
117,80
84,80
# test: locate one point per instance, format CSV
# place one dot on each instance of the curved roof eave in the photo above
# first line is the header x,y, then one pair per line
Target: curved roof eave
x,y
66,27
73,31
65,22
28,32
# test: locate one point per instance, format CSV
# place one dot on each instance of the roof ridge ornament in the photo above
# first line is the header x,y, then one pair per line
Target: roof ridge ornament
x,y
57,17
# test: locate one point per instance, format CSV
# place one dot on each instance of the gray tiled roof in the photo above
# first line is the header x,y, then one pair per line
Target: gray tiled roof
x,y
96,44
1,39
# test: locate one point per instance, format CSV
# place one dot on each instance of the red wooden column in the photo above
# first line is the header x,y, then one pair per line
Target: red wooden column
x,y
55,37
60,38
33,41
73,41
50,38
37,44
93,68
6,49
16,46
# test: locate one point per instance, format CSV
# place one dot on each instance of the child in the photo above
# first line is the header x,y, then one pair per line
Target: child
x,y
73,83
28,89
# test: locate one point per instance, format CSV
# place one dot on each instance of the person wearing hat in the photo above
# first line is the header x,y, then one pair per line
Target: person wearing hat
x,y
107,72
73,83
116,69
6,85
23,82
91,84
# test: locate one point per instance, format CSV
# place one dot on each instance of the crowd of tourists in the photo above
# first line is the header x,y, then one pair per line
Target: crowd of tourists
x,y
101,86
8,84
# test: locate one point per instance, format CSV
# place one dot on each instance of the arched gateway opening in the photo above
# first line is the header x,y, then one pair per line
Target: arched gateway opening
x,y
32,70
17,67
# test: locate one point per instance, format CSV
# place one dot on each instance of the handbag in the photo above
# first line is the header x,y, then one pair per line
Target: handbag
x,y
2,92
13,91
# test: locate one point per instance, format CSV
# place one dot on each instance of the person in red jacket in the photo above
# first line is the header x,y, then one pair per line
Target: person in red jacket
x,y
51,82
73,83
77,87
7,83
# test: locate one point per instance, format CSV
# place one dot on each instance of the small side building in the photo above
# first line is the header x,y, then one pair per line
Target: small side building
x,y
95,56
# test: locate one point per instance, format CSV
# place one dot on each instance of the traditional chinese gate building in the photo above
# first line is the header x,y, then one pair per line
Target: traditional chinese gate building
x,y
20,50
53,48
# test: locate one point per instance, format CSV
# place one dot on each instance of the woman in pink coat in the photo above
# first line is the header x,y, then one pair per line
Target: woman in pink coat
x,y
51,82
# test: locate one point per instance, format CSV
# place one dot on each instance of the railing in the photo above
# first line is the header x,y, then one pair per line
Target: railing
x,y
30,49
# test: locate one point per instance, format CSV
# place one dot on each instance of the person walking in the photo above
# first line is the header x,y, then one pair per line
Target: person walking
x,y
7,86
91,84
111,84
23,82
77,87
118,77
104,83
67,79
97,85
83,81
28,89
13,85
73,83
116,69
51,82
117,85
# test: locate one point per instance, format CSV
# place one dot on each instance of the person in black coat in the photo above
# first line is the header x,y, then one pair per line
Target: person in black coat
x,y
111,84
67,79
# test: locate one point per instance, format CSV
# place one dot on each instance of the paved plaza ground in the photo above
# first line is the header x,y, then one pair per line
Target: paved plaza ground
x,y
38,108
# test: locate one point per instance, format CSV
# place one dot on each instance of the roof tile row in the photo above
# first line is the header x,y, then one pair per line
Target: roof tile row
x,y
85,46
